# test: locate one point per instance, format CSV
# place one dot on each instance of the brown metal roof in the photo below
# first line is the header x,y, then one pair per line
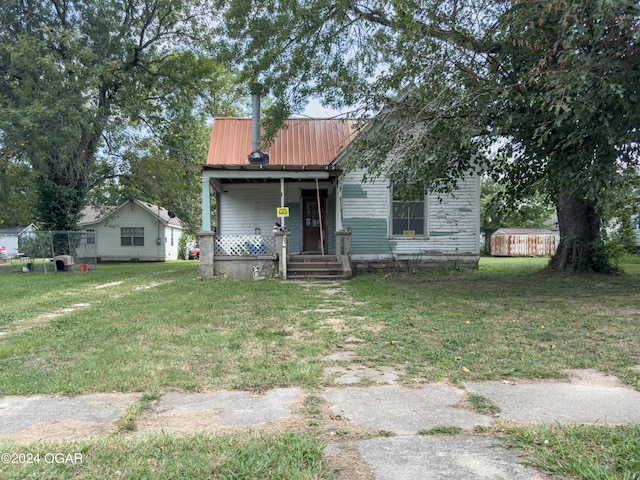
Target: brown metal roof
x,y
301,142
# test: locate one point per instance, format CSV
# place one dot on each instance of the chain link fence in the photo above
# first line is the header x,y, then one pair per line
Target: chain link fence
x,y
51,252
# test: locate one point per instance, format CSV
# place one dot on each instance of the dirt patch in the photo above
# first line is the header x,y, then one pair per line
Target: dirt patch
x,y
335,323
347,462
60,430
592,377
355,373
45,317
107,285
179,421
344,356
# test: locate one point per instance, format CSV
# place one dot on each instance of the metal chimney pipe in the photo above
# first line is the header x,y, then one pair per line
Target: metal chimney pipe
x,y
255,122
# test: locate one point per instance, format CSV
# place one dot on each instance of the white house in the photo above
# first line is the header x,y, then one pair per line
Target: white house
x,y
333,217
9,238
133,231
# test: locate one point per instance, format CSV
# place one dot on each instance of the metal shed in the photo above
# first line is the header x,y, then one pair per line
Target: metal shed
x,y
523,242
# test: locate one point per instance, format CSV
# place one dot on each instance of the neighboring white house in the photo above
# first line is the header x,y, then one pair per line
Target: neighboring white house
x,y
9,238
133,231
635,224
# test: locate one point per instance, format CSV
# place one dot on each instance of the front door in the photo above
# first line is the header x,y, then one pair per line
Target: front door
x,y
312,218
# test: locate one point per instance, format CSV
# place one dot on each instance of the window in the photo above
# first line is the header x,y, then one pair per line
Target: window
x,y
91,236
407,216
132,236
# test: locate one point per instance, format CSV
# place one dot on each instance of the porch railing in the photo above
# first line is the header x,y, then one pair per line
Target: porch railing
x,y
241,245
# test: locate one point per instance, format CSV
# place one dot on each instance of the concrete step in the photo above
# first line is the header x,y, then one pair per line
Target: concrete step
x,y
314,266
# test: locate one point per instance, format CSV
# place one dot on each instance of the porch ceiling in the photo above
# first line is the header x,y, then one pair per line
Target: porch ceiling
x,y
249,173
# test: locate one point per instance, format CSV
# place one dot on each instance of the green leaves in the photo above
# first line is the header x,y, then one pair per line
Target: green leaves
x,y
80,85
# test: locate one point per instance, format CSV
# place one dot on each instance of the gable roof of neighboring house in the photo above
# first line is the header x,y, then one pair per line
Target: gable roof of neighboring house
x,y
302,142
15,231
91,214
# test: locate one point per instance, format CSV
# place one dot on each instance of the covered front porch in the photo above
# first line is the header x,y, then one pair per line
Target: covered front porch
x,y
251,238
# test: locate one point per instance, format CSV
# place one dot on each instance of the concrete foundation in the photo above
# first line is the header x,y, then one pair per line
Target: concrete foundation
x,y
433,263
261,266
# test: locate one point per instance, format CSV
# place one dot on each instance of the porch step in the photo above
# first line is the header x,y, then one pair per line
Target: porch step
x,y
321,267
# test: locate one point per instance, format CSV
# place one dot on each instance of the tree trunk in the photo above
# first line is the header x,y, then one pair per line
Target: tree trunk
x,y
581,248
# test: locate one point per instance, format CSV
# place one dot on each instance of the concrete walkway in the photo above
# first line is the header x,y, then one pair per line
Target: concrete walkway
x,y
374,431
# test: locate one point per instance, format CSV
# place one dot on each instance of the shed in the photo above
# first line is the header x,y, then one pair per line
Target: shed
x,y
523,242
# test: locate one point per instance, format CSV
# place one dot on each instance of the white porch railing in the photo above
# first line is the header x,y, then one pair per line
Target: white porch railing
x,y
239,245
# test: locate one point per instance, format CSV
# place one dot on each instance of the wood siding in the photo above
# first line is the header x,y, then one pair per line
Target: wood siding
x,y
452,226
243,207
108,237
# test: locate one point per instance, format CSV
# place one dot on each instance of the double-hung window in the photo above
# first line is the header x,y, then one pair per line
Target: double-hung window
x,y
90,236
132,236
408,215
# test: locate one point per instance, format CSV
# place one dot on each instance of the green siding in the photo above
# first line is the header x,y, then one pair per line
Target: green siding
x,y
369,236
331,222
293,223
353,191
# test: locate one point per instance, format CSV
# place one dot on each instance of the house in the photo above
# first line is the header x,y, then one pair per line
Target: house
x,y
523,242
9,239
133,231
327,221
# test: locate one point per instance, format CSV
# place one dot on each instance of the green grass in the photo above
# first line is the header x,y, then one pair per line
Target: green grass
x,y
281,456
160,329
482,404
446,430
508,320
589,452
154,328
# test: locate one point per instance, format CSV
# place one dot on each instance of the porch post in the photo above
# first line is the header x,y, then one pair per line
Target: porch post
x,y
207,258
206,205
282,192
282,250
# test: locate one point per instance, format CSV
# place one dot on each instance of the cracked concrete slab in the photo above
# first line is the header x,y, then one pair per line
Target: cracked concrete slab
x,y
225,407
355,373
62,417
439,457
578,402
404,410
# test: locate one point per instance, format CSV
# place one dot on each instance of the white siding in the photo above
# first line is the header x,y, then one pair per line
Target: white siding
x,y
108,237
244,207
171,251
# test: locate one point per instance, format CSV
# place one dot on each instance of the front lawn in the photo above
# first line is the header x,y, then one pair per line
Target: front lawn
x,y
153,328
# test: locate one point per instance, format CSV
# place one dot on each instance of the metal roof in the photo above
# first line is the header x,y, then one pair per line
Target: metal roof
x,y
301,142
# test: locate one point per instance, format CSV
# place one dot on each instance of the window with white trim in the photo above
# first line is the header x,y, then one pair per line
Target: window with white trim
x,y
132,236
90,238
407,215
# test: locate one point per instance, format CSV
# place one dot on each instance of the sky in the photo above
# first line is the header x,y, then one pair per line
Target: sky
x,y
316,110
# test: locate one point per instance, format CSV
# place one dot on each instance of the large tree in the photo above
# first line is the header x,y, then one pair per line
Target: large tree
x,y
538,93
82,82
